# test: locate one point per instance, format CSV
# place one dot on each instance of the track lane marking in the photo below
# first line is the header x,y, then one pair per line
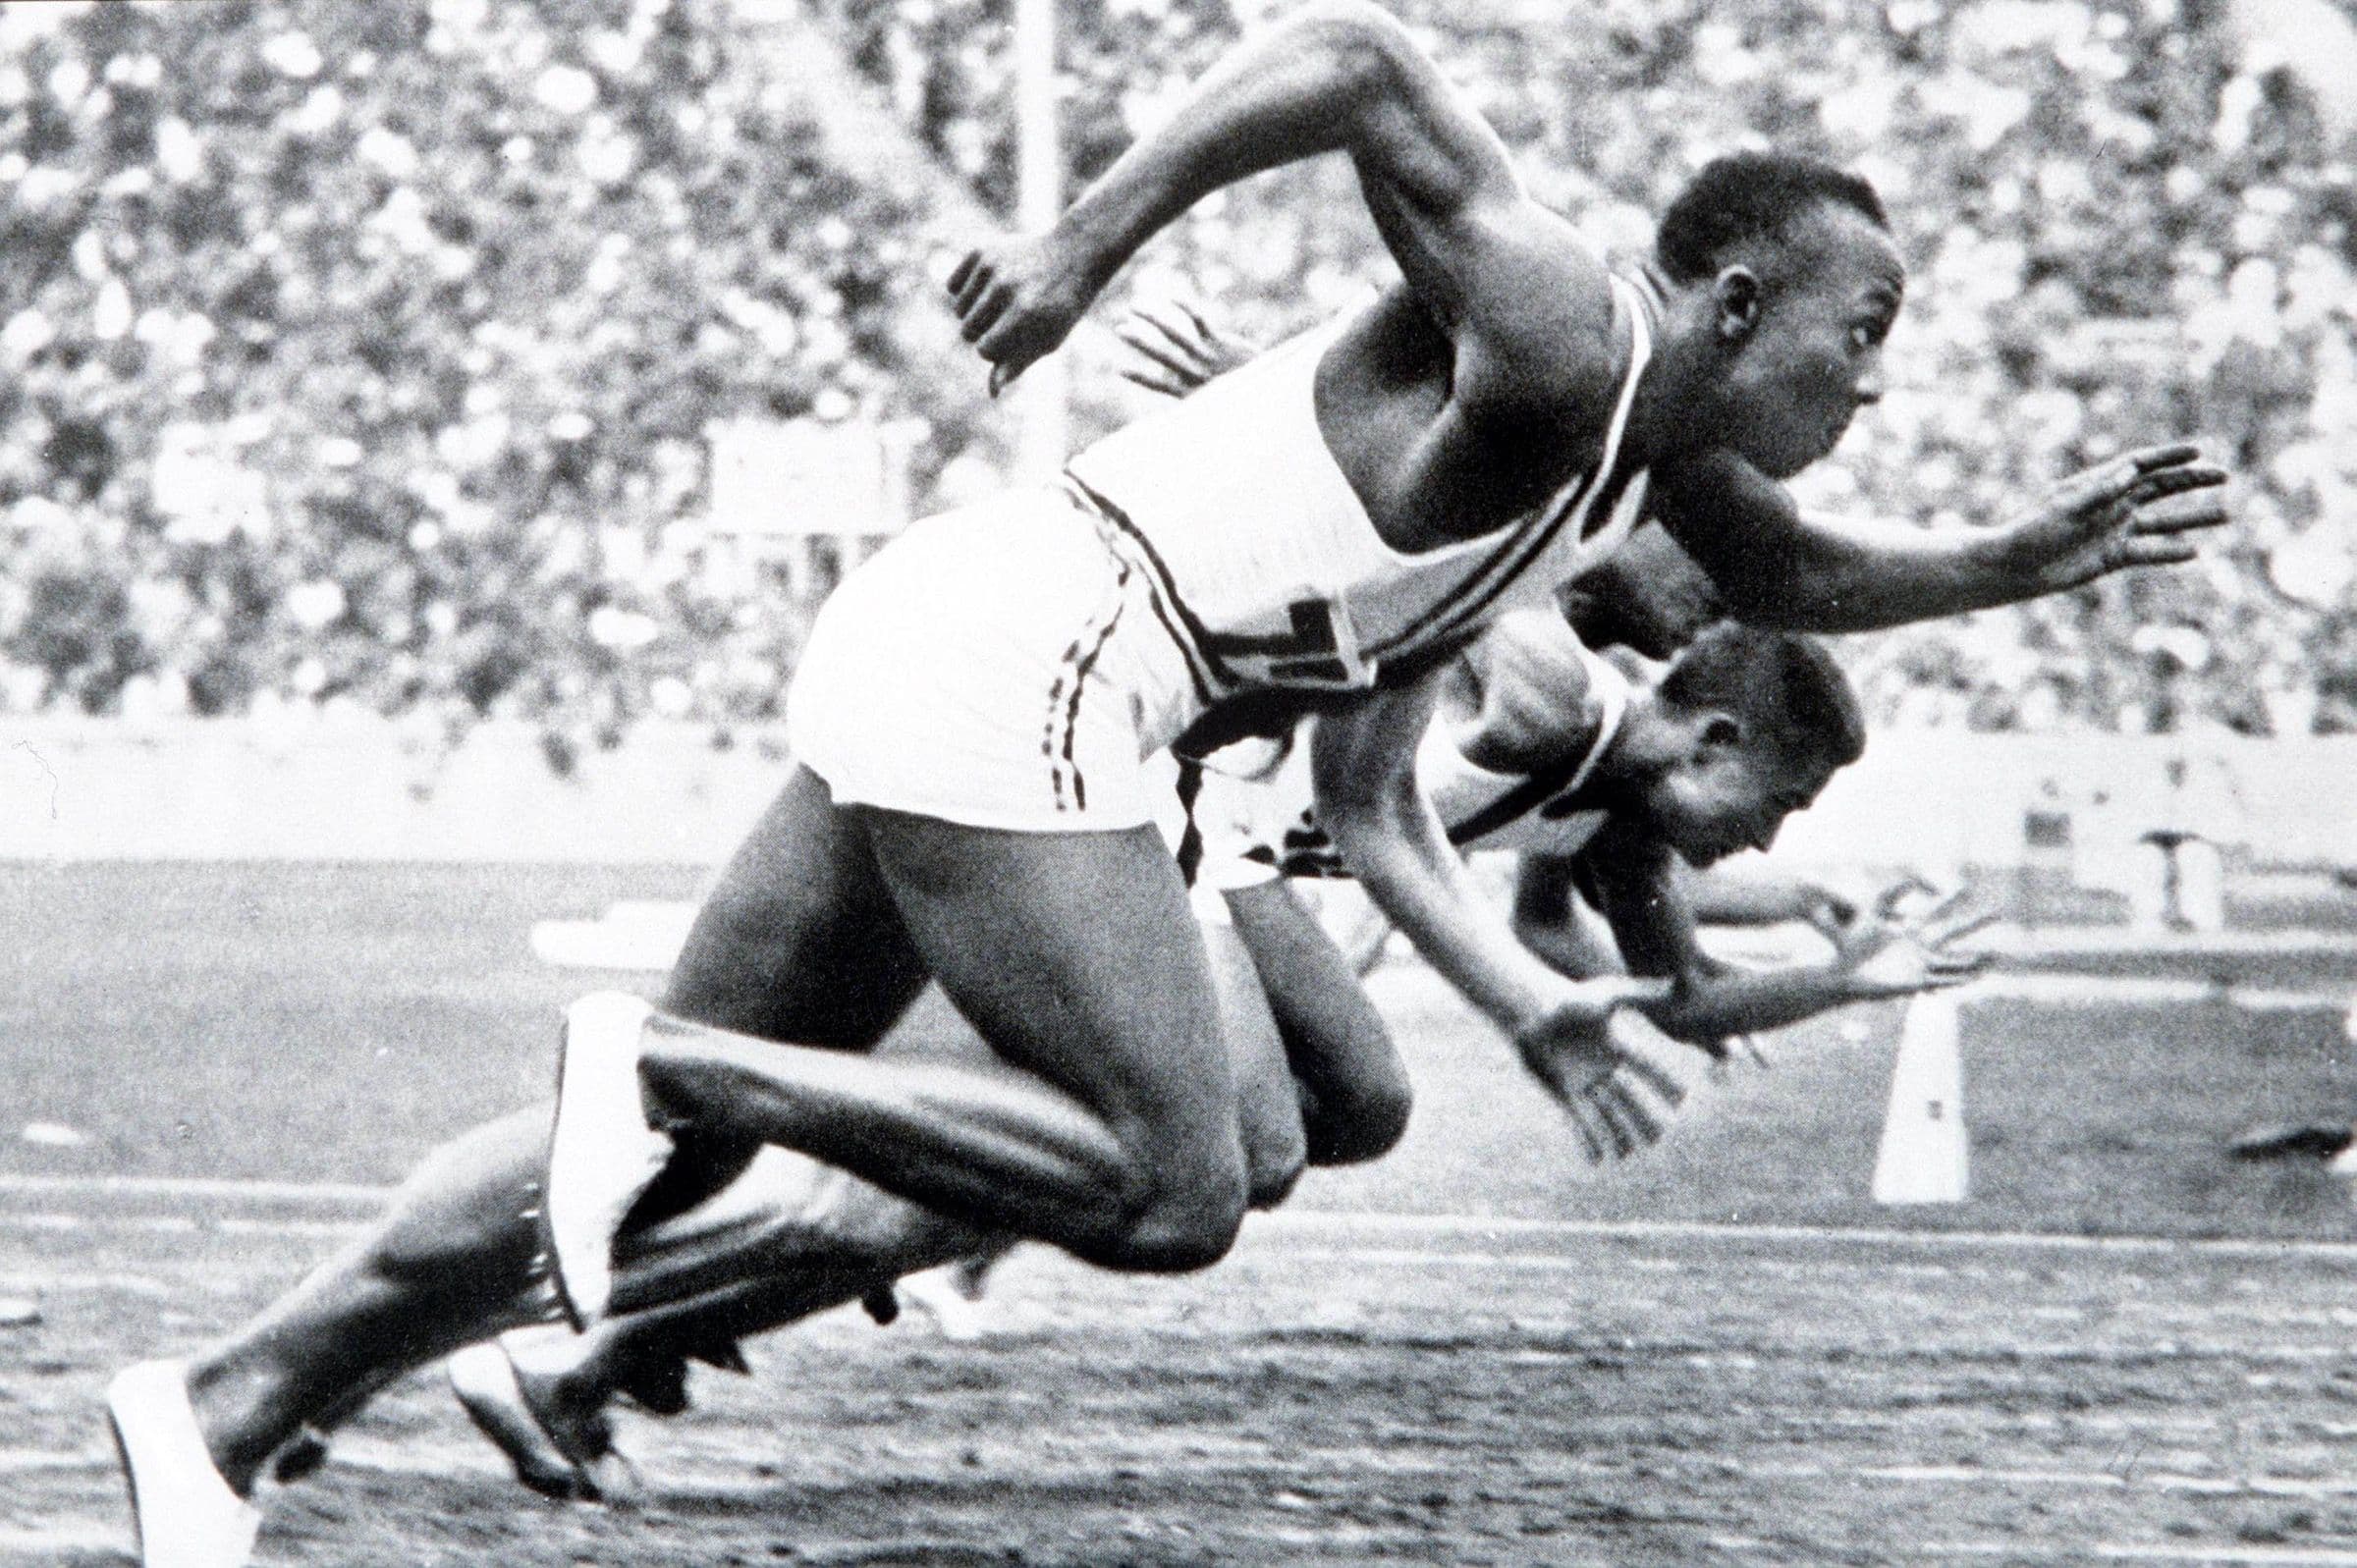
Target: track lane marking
x,y
1282,1224
232,1187
461,1459
74,1539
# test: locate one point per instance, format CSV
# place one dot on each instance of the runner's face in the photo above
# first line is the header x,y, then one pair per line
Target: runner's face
x,y
1811,355
1731,791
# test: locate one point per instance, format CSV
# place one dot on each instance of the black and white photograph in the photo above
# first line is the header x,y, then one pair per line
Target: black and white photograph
x,y
1177,783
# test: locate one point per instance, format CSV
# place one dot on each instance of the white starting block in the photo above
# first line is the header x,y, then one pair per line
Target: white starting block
x,y
634,935
1924,1154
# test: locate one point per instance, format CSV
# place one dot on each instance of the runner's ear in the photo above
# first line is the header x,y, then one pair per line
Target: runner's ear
x,y
1736,293
1721,730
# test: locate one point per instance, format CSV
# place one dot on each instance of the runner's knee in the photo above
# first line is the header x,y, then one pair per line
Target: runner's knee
x,y
1275,1148
1362,1116
1186,1211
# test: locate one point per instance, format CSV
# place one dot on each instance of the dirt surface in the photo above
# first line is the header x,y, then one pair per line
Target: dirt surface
x,y
1344,1390
1479,1351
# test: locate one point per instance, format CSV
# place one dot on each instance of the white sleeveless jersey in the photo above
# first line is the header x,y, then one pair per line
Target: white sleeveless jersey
x,y
1250,830
1268,571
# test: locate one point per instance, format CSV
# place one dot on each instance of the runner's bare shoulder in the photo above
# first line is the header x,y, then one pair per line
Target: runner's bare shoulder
x,y
1537,702
1541,340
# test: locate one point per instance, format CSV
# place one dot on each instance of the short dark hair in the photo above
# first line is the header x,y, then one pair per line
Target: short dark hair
x,y
1751,196
1777,682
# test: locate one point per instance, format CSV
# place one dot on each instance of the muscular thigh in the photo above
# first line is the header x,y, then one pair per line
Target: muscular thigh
x,y
1268,1106
1334,1038
798,940
1076,958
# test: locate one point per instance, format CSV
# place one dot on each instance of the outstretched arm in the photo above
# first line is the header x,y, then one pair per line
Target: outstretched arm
x,y
1777,566
1363,763
1338,77
1876,956
1767,896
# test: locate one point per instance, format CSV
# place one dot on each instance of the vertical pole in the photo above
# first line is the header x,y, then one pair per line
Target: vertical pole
x,y
1041,394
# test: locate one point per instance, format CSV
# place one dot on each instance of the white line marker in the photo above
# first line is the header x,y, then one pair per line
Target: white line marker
x,y
174,1224
434,1458
2154,990
38,1284
287,1227
2112,1480
1283,1224
1313,1221
2269,1556
198,1187
30,1461
2130,1551
1923,1155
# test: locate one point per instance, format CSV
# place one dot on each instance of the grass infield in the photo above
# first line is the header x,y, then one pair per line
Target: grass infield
x,y
311,1023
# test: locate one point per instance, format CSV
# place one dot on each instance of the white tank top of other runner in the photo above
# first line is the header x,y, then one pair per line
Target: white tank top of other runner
x,y
1267,567
1256,829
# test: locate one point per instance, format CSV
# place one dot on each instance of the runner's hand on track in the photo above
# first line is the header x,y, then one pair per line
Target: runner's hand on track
x,y
2141,508
1016,300
1178,349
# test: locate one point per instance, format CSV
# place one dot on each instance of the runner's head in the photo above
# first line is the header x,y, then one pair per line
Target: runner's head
x,y
1648,596
1744,729
1788,282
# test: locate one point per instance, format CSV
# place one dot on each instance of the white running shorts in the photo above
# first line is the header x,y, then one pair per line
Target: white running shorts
x,y
999,666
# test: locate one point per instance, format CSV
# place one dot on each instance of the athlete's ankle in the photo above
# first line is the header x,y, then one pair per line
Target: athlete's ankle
x,y
667,1093
243,1418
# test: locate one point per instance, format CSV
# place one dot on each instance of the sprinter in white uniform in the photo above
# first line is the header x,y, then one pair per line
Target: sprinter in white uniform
x,y
1542,748
1065,635
1491,401
1263,824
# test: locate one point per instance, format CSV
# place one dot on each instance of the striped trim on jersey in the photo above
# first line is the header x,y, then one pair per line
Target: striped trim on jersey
x,y
1285,835
1063,700
1549,790
1573,504
1185,628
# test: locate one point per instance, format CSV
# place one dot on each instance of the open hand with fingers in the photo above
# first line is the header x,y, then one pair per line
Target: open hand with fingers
x,y
1179,348
1016,300
1568,1044
1887,953
1629,1109
1619,1099
1626,1111
2141,508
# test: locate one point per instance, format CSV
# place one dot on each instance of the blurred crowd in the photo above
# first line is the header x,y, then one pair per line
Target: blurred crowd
x,y
362,359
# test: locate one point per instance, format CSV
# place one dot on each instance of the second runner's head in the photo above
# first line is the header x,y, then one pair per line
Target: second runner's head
x,y
1746,728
